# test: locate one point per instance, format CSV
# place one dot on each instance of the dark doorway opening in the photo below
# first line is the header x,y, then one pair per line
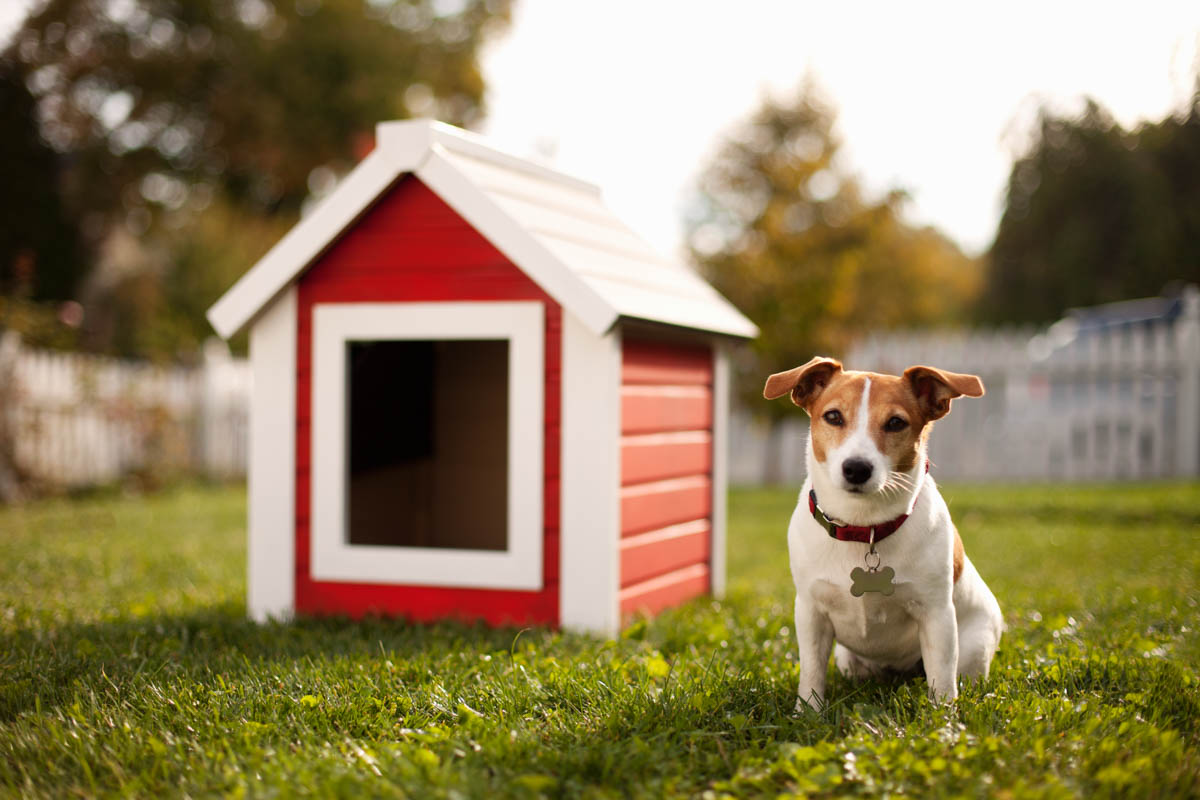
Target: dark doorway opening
x,y
428,443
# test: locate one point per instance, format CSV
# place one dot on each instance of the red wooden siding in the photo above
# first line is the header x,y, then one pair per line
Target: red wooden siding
x,y
656,552
666,590
655,456
651,409
648,506
411,246
666,474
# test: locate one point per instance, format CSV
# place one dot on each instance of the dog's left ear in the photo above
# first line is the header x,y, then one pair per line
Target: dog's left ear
x,y
935,388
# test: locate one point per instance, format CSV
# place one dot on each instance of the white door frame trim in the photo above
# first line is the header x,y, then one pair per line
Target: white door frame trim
x,y
333,557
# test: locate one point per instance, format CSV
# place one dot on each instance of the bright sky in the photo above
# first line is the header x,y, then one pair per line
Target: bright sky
x,y
932,96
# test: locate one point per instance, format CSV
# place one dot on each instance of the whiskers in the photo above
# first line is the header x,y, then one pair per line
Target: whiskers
x,y
897,483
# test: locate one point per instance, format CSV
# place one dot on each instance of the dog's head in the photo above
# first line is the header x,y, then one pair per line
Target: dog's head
x,y
868,430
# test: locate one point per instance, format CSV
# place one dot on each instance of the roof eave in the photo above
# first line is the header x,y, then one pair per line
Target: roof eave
x,y
733,330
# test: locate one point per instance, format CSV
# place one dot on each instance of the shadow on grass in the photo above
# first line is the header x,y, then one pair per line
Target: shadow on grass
x,y
42,667
45,669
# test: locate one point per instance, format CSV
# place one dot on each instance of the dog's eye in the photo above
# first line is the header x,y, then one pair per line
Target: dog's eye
x,y
833,417
895,424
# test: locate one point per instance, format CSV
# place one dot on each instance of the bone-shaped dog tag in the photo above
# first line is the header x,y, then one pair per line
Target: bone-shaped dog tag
x,y
872,581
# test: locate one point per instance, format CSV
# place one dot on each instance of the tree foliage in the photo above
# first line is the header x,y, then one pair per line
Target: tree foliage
x,y
1096,213
163,109
39,247
786,234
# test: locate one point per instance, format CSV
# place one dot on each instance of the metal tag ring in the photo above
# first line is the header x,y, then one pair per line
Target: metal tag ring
x,y
872,559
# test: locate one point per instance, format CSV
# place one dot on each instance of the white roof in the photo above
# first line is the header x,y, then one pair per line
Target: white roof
x,y
554,227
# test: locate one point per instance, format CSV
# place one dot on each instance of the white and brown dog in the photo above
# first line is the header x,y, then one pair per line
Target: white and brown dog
x,y
877,563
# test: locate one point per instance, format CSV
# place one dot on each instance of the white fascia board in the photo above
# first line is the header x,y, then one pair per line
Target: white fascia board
x,y
517,244
313,234
710,314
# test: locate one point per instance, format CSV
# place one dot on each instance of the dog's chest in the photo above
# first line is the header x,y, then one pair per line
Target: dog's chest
x,y
873,625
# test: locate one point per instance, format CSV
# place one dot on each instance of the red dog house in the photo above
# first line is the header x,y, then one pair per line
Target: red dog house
x,y
477,394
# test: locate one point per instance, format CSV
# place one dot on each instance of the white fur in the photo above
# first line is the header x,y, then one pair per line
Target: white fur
x,y
954,628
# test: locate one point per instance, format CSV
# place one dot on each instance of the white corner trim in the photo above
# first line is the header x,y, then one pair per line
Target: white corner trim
x,y
271,523
518,245
589,580
720,465
333,557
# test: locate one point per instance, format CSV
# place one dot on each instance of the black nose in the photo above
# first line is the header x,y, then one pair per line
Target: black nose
x,y
856,470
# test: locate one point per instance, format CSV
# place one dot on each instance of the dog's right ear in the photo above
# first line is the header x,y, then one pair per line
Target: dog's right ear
x,y
804,382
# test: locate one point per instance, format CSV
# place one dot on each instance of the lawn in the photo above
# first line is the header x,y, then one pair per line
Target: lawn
x,y
126,668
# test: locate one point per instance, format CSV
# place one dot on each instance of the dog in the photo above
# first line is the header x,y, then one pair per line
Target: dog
x,y
877,563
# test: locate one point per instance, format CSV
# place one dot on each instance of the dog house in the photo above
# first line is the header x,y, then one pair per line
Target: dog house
x,y
478,395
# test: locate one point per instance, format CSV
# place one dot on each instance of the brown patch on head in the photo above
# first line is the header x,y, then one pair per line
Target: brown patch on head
x,y
959,555
835,412
897,425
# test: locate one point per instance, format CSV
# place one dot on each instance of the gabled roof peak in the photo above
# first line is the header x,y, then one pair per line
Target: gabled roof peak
x,y
550,225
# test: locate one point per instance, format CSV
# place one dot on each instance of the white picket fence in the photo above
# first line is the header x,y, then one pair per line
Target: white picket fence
x,y
69,420
1061,404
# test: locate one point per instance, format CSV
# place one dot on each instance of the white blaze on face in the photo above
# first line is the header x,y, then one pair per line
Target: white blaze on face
x,y
859,445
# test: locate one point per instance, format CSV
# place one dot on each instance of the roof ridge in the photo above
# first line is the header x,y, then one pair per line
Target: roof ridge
x,y
472,145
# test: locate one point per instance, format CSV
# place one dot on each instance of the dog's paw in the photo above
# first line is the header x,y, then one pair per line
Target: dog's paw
x,y
943,696
810,705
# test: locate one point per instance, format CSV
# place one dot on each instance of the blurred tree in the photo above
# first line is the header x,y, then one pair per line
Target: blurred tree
x,y
39,248
1095,213
160,312
162,108
785,233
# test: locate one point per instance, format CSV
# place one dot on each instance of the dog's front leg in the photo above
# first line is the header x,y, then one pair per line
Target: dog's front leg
x,y
814,635
939,651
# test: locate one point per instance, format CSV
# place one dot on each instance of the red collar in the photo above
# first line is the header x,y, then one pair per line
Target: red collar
x,y
854,533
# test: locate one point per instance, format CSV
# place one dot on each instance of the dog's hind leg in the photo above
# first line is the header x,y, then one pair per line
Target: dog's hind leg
x,y
978,639
980,624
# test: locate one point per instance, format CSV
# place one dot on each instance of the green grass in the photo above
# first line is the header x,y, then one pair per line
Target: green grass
x,y
126,668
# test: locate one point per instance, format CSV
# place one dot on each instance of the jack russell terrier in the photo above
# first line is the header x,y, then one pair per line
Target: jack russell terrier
x,y
877,563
